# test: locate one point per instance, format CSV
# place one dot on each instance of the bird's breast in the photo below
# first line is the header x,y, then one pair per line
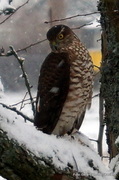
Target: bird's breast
x,y
80,88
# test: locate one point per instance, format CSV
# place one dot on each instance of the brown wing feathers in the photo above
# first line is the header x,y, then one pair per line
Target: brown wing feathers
x,y
53,87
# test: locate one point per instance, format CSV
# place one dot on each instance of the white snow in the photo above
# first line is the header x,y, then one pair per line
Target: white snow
x,y
1,88
94,24
117,140
5,6
77,152
114,165
1,178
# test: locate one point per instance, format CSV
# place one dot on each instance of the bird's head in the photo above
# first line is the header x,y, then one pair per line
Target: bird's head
x,y
59,37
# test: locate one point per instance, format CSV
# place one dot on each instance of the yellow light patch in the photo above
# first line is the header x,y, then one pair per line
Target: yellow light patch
x,y
96,57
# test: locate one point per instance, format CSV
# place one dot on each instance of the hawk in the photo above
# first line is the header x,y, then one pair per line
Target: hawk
x,y
65,83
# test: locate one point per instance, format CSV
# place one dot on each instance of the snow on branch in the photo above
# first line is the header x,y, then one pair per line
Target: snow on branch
x,y
6,7
10,10
114,166
73,156
18,112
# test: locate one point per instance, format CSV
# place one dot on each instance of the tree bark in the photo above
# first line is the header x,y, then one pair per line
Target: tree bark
x,y
110,70
18,163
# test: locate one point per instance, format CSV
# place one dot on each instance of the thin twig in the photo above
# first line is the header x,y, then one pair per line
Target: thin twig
x,y
28,86
33,44
21,101
96,95
93,140
71,17
77,169
87,24
18,112
106,157
26,104
9,53
97,67
14,12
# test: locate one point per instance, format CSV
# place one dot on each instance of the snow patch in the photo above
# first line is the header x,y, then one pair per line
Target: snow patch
x,y
117,140
114,165
5,7
1,178
77,152
1,89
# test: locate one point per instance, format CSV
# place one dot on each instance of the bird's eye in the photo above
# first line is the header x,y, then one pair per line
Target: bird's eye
x,y
60,36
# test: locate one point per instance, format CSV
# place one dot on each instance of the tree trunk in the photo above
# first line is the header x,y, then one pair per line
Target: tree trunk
x,y
110,70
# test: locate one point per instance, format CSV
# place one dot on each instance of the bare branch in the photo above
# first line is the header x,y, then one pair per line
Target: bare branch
x,y
71,17
10,53
22,101
96,95
82,26
18,112
97,67
94,140
28,86
14,12
33,44
77,169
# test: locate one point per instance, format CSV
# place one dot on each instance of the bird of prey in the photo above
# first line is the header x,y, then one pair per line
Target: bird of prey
x,y
65,83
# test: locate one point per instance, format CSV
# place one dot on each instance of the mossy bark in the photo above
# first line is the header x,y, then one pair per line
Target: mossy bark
x,y
18,163
110,70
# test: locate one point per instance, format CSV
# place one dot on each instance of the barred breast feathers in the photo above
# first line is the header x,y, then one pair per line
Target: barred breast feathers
x,y
81,69
80,89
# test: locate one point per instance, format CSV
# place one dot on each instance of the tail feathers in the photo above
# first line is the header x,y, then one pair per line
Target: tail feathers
x,y
80,120
46,120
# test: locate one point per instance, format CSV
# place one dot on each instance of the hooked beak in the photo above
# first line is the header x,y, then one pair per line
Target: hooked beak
x,y
54,46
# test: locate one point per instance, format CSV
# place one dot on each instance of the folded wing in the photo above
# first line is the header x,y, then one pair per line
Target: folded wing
x,y
53,87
